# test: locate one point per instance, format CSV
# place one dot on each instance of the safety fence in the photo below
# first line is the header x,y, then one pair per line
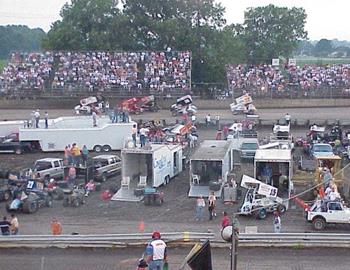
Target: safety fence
x,y
103,240
178,238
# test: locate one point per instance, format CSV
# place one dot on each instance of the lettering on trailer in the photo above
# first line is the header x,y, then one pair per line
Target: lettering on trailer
x,y
51,145
161,163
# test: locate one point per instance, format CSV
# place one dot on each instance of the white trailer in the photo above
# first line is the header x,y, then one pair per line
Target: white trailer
x,y
64,131
275,167
144,167
209,166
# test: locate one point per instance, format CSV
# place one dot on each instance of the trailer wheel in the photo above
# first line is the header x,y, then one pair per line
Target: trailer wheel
x,y
262,213
281,208
106,148
97,148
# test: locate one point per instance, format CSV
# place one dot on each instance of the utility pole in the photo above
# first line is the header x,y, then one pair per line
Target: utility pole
x,y
234,243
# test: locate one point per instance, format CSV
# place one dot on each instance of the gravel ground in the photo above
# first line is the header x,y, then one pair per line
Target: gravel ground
x,y
176,214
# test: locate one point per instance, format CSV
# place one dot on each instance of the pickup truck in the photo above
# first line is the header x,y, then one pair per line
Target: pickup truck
x,y
248,148
105,166
47,168
11,144
331,212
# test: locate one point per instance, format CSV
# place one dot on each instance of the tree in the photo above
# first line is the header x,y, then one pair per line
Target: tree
x,y
85,25
323,47
270,32
19,38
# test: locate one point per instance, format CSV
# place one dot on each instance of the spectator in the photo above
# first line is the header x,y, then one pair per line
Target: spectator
x,y
89,187
94,119
46,120
225,220
134,134
56,227
200,205
156,252
277,225
75,152
37,118
72,174
211,205
84,154
5,226
208,119
14,224
143,136
287,118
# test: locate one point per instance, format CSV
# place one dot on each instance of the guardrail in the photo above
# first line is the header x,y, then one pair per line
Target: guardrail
x,y
294,240
102,240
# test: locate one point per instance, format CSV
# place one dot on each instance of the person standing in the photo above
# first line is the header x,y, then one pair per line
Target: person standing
x,y
46,120
156,252
200,205
84,154
225,221
72,173
287,117
211,205
226,131
14,224
56,227
75,154
94,119
5,226
277,225
207,119
134,134
37,118
143,136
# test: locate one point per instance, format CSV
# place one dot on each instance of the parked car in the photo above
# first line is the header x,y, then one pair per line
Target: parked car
x,y
48,168
105,166
11,144
321,149
248,148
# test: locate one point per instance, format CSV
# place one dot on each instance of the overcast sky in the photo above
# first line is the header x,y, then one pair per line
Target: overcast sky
x,y
326,19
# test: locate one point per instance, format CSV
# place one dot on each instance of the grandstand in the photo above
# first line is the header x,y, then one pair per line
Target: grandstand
x,y
155,72
308,80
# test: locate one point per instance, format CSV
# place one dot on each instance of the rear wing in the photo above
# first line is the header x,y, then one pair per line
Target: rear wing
x,y
262,188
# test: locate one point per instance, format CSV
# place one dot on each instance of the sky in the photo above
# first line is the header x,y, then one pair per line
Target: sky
x,y
326,19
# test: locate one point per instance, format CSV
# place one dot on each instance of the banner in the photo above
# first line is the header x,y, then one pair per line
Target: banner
x,y
267,190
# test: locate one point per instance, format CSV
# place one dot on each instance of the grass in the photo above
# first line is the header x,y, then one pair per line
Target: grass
x,y
2,64
319,61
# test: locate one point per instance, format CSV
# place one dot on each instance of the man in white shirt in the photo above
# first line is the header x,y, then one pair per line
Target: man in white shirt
x,y
207,119
143,136
156,252
287,117
37,118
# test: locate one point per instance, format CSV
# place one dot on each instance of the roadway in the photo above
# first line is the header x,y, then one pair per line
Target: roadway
x,y
126,259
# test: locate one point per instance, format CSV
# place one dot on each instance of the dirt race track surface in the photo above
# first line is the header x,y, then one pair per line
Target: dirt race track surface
x,y
126,259
176,214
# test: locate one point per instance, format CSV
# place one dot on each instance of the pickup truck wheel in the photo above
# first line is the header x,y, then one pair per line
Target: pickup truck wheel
x,y
97,148
18,151
319,223
107,148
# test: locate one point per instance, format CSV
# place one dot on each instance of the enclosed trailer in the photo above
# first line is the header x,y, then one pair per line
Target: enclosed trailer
x,y
64,131
148,167
275,167
209,166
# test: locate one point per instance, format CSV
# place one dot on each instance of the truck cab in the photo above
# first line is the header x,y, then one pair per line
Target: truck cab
x,y
47,168
106,166
323,213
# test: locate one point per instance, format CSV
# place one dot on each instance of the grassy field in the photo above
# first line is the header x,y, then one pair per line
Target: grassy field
x,y
310,60
2,64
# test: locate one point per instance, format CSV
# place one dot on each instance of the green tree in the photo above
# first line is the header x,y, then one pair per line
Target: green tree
x,y
85,25
271,32
19,38
323,47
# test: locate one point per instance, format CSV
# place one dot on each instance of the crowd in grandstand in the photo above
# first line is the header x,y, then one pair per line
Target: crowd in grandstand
x,y
268,78
157,71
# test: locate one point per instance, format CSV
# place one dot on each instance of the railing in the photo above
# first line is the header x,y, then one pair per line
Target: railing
x,y
178,238
103,240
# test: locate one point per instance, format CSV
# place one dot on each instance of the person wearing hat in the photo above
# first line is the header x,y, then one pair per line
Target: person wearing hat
x,y
156,252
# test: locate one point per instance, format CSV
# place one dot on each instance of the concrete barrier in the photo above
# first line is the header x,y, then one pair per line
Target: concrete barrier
x,y
203,104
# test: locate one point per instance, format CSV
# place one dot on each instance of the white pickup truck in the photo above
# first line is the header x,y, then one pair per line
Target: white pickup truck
x,y
331,212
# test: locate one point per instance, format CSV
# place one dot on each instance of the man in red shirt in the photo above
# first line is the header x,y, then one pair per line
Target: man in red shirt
x,y
225,221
